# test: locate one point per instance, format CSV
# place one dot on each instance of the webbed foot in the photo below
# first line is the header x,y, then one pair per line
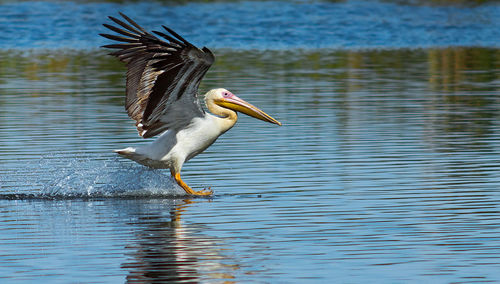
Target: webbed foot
x,y
188,190
204,192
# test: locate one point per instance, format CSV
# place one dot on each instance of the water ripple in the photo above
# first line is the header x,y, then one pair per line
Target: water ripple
x,y
259,25
385,170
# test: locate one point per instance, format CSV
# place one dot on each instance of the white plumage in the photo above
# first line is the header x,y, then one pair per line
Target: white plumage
x,y
175,147
162,83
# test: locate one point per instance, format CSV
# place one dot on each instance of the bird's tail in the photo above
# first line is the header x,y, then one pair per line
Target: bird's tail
x,y
127,152
132,154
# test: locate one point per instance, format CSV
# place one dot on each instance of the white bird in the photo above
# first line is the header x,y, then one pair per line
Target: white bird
x,y
161,96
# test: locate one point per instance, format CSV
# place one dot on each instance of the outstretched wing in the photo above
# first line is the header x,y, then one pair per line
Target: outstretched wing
x,y
162,76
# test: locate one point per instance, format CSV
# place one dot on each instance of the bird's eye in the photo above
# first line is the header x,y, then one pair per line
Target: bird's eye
x,y
225,95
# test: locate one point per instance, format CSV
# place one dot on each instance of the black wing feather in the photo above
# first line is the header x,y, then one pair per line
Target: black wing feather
x,y
119,38
125,25
177,35
169,38
121,31
133,22
162,76
122,45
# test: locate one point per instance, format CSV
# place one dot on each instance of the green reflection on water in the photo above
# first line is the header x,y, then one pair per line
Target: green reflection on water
x,y
447,70
457,87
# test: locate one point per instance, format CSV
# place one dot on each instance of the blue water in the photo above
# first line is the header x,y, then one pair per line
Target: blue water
x,y
385,169
259,25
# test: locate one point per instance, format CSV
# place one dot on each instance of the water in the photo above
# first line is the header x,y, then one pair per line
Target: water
x,y
259,24
385,169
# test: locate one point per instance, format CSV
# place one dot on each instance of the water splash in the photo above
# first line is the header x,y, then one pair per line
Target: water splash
x,y
60,175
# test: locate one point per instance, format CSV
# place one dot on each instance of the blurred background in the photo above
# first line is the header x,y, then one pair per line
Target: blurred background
x,y
386,168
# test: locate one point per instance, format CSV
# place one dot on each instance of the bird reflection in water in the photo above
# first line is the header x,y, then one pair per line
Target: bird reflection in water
x,y
168,251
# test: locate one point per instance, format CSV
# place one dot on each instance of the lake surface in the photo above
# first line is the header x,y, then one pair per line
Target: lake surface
x,y
386,168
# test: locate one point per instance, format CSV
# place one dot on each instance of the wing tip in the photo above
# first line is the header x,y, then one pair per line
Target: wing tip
x,y
210,54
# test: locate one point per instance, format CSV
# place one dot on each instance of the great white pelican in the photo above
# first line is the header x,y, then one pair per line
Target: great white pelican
x,y
161,96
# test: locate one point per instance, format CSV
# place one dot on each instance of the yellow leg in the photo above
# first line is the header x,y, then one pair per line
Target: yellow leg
x,y
181,183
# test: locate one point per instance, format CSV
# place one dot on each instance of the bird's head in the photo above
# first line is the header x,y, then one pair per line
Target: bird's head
x,y
228,100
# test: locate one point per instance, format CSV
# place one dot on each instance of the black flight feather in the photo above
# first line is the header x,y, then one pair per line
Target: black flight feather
x,y
162,76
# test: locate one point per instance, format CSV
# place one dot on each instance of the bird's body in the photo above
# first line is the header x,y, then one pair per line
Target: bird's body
x,y
175,147
162,84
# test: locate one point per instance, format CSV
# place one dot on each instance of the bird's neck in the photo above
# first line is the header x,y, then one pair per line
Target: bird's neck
x,y
225,118
225,123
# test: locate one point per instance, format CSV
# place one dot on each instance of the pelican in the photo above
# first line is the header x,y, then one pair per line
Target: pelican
x,y
161,96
